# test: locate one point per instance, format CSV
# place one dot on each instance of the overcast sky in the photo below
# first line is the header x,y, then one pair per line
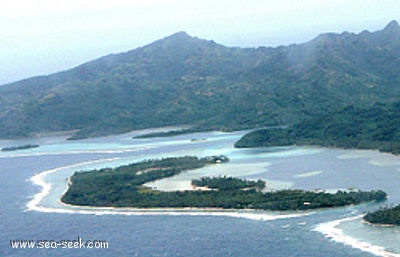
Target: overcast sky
x,y
39,37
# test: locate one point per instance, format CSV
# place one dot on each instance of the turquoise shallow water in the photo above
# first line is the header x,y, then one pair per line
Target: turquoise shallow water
x,y
195,234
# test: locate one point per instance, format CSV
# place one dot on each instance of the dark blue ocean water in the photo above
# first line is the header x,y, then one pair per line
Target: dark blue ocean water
x,y
166,235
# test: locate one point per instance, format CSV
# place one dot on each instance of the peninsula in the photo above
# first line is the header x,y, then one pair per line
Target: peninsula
x,y
123,187
374,127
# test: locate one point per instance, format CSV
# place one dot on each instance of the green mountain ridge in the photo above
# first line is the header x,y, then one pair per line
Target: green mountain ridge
x,y
186,80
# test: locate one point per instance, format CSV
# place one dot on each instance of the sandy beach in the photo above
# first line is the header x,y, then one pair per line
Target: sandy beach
x,y
35,204
40,201
331,231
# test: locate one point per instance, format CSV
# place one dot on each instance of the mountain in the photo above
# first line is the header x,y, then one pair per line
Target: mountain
x,y
375,127
186,80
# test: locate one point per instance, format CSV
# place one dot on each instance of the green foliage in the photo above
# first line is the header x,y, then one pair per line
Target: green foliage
x,y
375,127
228,183
388,216
20,147
185,80
123,187
107,186
170,133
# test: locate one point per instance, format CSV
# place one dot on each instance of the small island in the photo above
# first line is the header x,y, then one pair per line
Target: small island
x,y
228,183
350,127
124,187
384,216
16,148
170,133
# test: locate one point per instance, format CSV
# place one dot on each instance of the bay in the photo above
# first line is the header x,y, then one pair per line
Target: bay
x,y
189,233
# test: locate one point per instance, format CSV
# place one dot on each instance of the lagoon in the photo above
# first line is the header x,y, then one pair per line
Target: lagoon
x,y
34,179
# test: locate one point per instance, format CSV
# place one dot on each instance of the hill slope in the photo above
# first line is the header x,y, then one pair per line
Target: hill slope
x,y
376,127
185,80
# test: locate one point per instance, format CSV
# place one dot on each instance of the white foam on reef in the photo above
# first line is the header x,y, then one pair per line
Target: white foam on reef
x,y
331,230
46,187
246,214
35,203
71,151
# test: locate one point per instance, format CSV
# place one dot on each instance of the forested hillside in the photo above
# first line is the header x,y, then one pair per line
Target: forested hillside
x,y
376,127
186,80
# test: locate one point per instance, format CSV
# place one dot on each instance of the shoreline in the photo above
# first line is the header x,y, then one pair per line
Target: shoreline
x,y
16,154
330,230
38,179
376,224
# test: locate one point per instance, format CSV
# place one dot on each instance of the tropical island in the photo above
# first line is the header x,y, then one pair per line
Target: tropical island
x,y
384,216
228,183
375,127
170,133
16,148
124,187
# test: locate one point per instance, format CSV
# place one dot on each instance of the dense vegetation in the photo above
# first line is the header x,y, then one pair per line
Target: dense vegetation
x,y
376,127
20,147
186,80
384,216
228,183
123,187
170,133
120,185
